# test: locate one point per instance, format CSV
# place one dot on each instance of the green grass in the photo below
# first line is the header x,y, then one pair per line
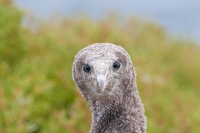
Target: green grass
x,y
37,94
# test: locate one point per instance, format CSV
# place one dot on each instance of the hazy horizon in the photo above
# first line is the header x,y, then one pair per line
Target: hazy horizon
x,y
178,17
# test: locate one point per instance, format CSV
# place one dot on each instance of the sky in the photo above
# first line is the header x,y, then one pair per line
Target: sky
x,y
177,16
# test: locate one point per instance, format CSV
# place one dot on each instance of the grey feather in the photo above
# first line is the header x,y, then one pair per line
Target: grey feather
x,y
117,108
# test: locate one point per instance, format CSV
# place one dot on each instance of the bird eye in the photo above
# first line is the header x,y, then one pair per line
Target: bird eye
x,y
116,65
86,68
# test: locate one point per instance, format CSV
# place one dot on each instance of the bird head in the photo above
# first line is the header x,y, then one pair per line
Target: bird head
x,y
102,68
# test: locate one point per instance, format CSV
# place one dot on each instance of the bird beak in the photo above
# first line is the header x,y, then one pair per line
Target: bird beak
x,y
102,77
101,73
101,81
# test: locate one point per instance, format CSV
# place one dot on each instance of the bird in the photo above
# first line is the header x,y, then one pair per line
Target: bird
x,y
105,76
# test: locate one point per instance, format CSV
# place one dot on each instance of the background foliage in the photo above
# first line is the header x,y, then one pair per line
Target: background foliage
x,y
37,94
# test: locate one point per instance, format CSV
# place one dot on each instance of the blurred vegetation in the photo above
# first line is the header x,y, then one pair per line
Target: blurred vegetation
x,y
37,94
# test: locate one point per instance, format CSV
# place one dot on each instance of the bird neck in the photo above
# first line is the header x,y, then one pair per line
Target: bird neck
x,y
104,117
122,112
115,116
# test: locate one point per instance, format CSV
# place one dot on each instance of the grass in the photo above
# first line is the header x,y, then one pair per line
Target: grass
x,y
37,94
